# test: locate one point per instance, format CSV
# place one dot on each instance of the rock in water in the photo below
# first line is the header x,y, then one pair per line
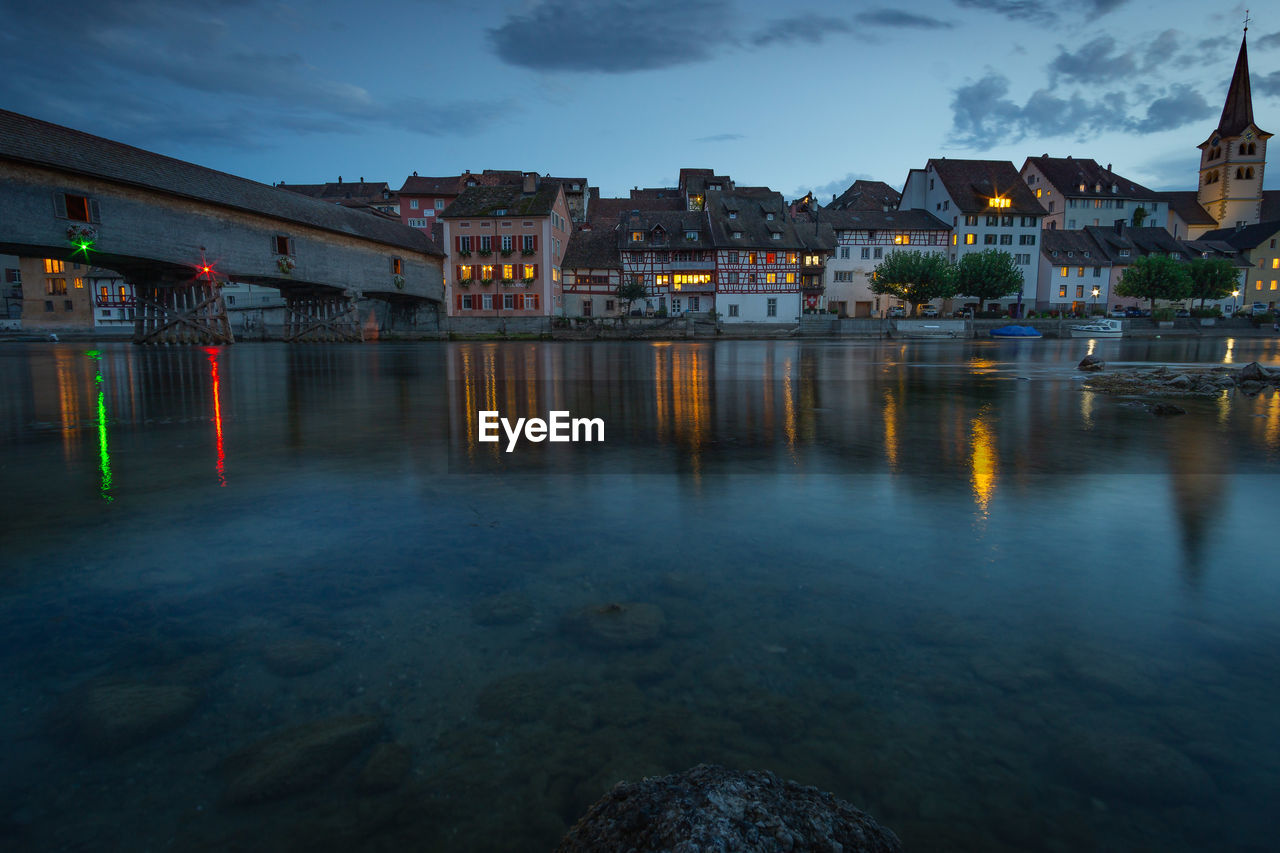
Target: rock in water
x,y
1091,362
1182,382
1167,410
299,656
110,717
618,625
711,808
386,768
1251,372
296,759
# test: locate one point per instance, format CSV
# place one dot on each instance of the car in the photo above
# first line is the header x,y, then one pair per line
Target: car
x,y
1259,308
928,311
897,311
1182,313
1117,311
1133,312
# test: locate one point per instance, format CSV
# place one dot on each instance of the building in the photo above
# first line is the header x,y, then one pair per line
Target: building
x,y
988,206
1123,245
373,196
423,199
673,254
1259,248
862,238
592,273
1233,158
55,294
759,255
867,195
1075,273
1077,193
506,244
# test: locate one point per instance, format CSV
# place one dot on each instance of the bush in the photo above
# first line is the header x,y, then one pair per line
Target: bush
x,y
1162,315
661,312
1206,312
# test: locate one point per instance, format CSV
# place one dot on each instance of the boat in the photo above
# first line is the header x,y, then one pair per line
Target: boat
x,y
1016,332
1106,328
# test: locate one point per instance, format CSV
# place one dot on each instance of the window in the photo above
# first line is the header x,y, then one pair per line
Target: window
x,y
1071,223
1001,202
691,236
508,271
1079,291
1022,259
877,253
54,266
733,310
486,243
1079,272
1063,272
439,204
993,221
466,302
417,223
67,305
769,216
791,257
1026,239
971,220
508,242
282,244
486,271
866,253
413,204
555,273
12,276
55,286
970,239
771,308
464,244
464,273
75,207
1006,239
988,239
1027,221
531,301
675,305
397,266
48,305
771,278
844,275
530,271
608,305
901,239
695,303
791,278
751,257
1124,253
1062,292
733,214
637,236
487,302
1097,272
528,243
844,253
776,235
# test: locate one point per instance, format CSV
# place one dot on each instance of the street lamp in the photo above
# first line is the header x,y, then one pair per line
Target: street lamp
x,y
1096,291
1234,307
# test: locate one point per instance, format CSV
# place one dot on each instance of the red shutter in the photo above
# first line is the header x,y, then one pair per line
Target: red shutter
x,y
457,243
459,298
535,242
519,301
535,271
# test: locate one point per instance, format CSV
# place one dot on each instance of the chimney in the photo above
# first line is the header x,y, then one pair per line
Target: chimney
x,y
1108,167
415,173
530,183
362,179
339,179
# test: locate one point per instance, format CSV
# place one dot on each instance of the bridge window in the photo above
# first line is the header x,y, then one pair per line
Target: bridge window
x,y
75,207
282,244
52,265
397,266
55,286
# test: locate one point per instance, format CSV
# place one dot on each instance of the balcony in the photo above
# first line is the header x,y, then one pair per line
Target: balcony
x,y
677,289
114,301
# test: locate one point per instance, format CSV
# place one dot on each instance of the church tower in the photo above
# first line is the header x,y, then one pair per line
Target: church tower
x,y
1234,156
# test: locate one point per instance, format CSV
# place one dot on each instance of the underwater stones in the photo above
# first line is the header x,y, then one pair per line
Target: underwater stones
x,y
299,655
110,717
386,768
1131,766
296,759
616,626
505,608
712,808
522,697
1091,362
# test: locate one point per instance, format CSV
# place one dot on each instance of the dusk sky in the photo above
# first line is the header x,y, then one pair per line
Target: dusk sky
x,y
797,96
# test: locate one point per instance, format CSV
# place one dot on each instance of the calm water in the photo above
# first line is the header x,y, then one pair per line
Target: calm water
x,y
996,612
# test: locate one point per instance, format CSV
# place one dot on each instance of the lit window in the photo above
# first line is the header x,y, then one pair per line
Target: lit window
x,y
791,279
486,271
1064,272
51,265
1079,272
970,239
1062,291
1038,193
397,266
1275,263
637,236
528,270
772,278
555,275
901,239
1000,202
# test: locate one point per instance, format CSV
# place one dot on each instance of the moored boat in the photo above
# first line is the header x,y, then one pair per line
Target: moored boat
x,y
1105,328
1016,332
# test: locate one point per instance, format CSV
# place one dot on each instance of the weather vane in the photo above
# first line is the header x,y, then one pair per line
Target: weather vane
x,y
1246,20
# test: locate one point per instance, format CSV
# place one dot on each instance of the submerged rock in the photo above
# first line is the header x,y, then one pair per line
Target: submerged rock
x,y
386,768
1091,362
296,759
1167,410
110,717
711,808
617,625
299,655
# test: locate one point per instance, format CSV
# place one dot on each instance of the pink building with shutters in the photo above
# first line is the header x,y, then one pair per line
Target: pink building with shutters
x,y
506,245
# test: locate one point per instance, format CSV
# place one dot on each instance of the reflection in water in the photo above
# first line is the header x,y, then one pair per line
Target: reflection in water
x,y
1197,465
217,414
983,462
1229,356
104,454
891,428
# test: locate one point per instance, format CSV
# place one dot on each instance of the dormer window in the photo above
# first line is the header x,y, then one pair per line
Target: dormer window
x,y
691,235
733,214
1082,186
769,216
501,211
1124,253
1115,189
637,236
1097,187
1000,202
1071,254
776,236
737,235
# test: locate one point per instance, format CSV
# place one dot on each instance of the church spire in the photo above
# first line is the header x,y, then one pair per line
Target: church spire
x,y
1237,113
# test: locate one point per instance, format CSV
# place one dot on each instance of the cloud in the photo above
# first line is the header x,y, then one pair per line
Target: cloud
x,y
721,137
152,84
1037,11
1182,105
613,36
1267,85
807,28
900,19
1267,42
1095,62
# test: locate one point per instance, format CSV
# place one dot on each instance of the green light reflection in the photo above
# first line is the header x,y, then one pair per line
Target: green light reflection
x,y
104,453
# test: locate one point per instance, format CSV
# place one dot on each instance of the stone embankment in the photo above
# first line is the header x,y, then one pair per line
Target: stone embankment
x,y
1163,381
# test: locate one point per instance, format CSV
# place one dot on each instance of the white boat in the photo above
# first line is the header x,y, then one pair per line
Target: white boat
x,y
1098,329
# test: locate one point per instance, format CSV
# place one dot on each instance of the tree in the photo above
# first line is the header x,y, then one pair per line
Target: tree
x,y
1212,278
988,275
914,277
629,291
1155,277
1140,215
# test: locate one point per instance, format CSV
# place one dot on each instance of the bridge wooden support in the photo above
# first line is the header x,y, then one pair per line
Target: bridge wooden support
x,y
190,312
322,317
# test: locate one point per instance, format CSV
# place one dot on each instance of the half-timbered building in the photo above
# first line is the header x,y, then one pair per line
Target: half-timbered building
x,y
592,273
758,254
672,254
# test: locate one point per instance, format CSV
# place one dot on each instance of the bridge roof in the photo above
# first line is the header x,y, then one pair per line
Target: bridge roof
x,y
31,140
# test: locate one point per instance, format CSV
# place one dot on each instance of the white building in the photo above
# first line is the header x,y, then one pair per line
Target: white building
x,y
988,206
863,238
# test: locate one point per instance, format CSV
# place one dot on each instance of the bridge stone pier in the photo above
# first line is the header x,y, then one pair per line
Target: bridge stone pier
x,y
178,231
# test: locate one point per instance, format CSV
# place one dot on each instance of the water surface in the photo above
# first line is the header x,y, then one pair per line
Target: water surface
x,y
938,579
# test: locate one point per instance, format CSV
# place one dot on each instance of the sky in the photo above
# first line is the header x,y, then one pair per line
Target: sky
x,y
796,96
